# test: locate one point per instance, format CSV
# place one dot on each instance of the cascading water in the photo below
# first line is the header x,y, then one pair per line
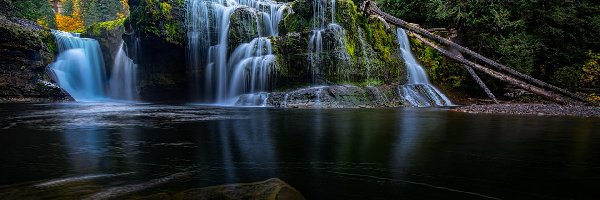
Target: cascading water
x,y
122,84
320,27
418,91
79,69
252,66
315,42
337,48
367,62
248,68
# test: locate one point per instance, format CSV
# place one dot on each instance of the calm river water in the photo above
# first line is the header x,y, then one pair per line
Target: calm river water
x,y
75,150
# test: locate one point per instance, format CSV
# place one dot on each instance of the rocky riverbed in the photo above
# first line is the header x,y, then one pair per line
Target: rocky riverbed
x,y
533,109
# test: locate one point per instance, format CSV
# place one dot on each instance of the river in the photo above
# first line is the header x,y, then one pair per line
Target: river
x,y
73,150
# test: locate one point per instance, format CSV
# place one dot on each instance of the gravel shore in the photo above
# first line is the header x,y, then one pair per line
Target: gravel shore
x,y
533,109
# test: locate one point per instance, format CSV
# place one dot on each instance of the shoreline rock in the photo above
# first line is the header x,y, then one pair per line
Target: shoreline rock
x,y
532,109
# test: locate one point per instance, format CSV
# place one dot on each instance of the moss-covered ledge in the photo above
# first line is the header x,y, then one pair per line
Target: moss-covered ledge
x,y
159,18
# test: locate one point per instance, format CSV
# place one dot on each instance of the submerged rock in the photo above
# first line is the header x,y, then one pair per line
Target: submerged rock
x,y
272,189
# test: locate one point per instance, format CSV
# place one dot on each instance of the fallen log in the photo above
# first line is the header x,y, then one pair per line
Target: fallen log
x,y
369,7
481,84
508,79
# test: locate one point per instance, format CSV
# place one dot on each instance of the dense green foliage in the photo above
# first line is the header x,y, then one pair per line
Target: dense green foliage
x,y
162,18
37,10
546,38
94,11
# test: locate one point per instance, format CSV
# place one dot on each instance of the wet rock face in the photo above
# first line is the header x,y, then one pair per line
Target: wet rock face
x,y
154,39
158,30
356,50
25,51
336,96
242,28
161,68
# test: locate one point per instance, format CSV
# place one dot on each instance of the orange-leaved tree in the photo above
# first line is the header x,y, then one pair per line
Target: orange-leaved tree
x,y
69,23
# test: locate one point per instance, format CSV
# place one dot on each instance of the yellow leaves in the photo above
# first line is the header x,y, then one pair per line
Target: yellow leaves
x,y
69,23
42,22
125,9
591,70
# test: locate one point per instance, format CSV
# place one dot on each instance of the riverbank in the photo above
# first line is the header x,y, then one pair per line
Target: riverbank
x,y
533,109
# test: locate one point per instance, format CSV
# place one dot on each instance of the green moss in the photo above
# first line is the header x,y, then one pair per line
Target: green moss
x,y
380,60
98,28
159,18
165,9
242,27
381,38
299,20
371,82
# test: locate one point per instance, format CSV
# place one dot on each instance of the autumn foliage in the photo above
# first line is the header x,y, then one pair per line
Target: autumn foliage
x,y
69,23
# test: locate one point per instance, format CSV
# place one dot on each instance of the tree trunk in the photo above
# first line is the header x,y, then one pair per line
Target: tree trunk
x,y
481,84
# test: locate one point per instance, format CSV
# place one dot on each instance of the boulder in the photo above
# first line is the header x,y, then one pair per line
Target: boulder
x,y
272,189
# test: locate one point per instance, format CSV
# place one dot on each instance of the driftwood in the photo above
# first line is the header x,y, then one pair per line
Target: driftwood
x,y
508,79
369,7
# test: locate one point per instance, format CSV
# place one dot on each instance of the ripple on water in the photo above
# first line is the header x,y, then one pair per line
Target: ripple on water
x,y
117,115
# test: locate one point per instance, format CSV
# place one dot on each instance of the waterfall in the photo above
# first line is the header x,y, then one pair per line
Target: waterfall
x,y
252,66
338,49
367,61
315,41
122,84
79,68
315,51
418,91
248,68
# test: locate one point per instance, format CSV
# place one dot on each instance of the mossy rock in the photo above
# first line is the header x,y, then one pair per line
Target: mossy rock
x,y
372,58
97,29
242,27
162,18
300,18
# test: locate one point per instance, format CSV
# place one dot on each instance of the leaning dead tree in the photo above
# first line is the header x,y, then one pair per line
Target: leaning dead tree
x,y
479,82
500,71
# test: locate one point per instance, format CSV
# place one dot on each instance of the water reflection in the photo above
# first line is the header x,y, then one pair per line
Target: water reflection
x,y
326,154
